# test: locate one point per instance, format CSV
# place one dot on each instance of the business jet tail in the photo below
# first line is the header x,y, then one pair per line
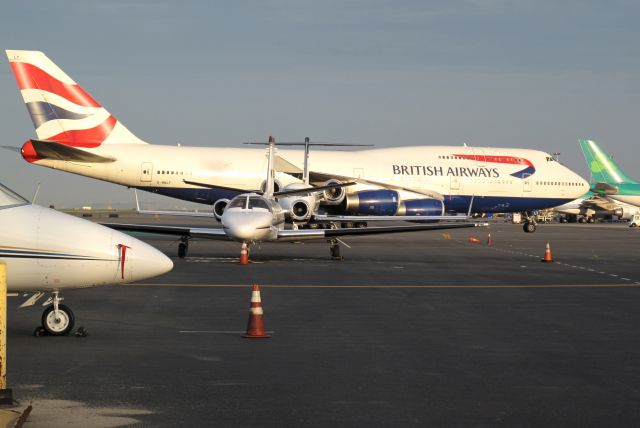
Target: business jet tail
x,y
60,109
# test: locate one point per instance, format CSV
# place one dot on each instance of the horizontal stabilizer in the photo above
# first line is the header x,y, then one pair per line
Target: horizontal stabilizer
x,y
52,150
605,188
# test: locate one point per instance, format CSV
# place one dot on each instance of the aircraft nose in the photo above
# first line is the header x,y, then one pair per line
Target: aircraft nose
x,y
247,226
142,261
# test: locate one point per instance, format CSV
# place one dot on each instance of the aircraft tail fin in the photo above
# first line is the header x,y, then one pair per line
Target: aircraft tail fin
x,y
60,109
603,168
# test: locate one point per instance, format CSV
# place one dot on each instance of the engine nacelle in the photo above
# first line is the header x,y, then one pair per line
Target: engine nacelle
x,y
372,202
389,202
334,196
219,207
421,207
299,207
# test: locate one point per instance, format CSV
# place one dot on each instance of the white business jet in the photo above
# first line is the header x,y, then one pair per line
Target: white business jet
x,y
259,216
47,252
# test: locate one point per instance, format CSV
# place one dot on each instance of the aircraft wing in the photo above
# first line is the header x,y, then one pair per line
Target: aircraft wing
x,y
216,233
601,203
315,176
302,234
410,218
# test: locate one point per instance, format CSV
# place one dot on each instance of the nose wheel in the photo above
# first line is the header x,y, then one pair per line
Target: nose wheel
x,y
57,319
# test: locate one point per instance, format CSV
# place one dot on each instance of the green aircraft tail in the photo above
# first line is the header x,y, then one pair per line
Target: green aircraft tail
x,y
602,167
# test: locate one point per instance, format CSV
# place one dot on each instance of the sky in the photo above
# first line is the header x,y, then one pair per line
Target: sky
x,y
488,73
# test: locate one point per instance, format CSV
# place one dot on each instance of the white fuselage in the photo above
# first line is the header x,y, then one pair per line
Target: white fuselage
x,y
48,250
498,179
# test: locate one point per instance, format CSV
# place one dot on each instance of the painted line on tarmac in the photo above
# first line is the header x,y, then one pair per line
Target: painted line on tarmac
x,y
556,262
506,286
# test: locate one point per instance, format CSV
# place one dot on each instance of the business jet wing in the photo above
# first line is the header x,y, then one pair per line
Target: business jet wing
x,y
303,234
216,233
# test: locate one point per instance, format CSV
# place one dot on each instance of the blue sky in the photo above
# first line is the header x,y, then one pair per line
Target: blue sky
x,y
495,73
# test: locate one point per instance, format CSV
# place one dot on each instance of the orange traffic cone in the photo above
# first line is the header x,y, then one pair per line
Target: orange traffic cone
x,y
548,258
255,327
489,240
474,240
244,254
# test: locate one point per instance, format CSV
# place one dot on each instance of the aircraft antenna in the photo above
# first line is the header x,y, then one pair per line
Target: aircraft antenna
x,y
35,195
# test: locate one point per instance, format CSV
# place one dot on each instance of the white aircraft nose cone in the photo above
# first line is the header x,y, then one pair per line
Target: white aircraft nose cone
x,y
247,226
143,261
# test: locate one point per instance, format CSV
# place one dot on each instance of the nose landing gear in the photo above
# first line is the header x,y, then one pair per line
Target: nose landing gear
x,y
57,319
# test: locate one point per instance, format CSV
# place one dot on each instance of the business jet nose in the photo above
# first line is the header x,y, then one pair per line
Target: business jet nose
x,y
142,261
245,226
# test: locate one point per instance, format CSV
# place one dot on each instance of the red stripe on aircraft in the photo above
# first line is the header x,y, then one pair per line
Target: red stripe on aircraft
x,y
497,159
31,77
87,138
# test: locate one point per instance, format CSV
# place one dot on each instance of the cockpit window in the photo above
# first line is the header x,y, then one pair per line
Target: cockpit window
x,y
8,197
258,202
238,202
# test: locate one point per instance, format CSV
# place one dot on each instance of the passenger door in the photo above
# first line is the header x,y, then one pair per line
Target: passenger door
x,y
146,171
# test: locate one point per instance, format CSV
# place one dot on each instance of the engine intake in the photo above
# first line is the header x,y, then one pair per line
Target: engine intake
x,y
219,207
300,210
334,196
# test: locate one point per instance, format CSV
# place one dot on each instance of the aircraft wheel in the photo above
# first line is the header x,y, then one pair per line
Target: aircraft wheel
x,y
591,220
60,325
182,250
529,227
582,220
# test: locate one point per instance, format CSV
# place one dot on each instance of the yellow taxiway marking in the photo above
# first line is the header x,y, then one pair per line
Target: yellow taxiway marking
x,y
634,285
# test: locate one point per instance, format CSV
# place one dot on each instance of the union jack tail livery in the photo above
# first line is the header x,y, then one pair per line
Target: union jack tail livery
x,y
60,109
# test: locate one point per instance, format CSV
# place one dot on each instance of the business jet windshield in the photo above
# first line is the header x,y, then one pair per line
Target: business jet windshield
x,y
8,198
249,202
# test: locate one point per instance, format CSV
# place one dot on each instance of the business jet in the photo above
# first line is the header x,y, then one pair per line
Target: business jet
x,y
75,133
262,216
47,252
608,179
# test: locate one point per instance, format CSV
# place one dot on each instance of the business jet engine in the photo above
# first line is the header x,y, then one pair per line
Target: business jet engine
x,y
218,208
299,208
334,196
390,202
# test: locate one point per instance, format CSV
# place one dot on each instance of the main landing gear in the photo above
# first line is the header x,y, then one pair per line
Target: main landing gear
x,y
57,319
530,224
183,247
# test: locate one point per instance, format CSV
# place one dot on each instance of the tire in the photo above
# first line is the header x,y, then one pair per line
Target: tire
x,y
529,227
591,220
61,326
182,250
582,220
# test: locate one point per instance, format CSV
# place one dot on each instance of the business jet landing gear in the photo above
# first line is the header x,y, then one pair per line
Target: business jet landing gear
x,y
57,319
530,224
335,250
183,247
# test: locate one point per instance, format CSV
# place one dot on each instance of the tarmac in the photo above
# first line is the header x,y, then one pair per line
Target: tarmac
x,y
412,330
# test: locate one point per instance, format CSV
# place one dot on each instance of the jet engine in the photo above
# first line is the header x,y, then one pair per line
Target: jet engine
x,y
299,207
334,196
389,202
218,208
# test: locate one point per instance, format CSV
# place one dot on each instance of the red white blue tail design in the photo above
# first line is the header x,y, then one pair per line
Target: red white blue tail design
x,y
60,109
